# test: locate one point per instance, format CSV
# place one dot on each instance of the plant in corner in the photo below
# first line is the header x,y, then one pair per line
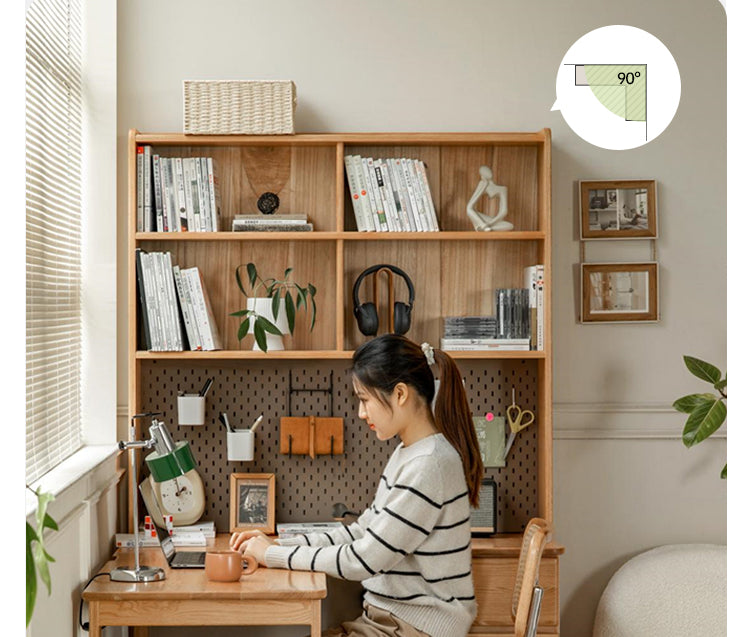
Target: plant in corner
x,y
37,558
276,291
707,411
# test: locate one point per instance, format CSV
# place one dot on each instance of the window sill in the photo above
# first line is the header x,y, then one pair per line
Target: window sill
x,y
70,471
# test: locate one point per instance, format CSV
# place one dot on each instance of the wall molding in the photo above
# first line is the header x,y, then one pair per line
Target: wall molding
x,y
605,421
602,421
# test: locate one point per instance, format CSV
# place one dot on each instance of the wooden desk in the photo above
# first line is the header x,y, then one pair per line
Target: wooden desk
x,y
268,597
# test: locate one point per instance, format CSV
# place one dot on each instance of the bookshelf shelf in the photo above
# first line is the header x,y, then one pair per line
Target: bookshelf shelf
x,y
455,272
219,355
343,236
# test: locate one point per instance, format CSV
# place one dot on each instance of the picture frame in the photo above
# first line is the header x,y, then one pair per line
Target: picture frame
x,y
620,292
618,209
252,502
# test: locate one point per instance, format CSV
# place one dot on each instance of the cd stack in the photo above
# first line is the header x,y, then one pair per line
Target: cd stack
x,y
477,333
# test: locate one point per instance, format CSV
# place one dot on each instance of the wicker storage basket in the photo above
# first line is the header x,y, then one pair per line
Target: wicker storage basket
x,y
238,107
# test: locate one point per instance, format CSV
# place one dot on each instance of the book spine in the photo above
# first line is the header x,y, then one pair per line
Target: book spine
x,y
189,290
388,224
182,297
180,190
418,195
241,226
139,188
212,325
411,193
269,220
145,332
402,223
200,195
213,194
195,195
158,200
168,303
404,193
369,212
434,226
540,307
351,177
169,194
192,284
206,194
148,190
158,339
187,163
378,219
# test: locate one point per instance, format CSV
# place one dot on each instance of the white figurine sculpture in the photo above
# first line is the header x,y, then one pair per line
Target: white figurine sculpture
x,y
486,185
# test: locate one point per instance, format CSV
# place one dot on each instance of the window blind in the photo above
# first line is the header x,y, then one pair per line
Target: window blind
x,y
53,233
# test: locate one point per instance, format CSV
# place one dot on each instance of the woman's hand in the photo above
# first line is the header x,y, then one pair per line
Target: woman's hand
x,y
251,543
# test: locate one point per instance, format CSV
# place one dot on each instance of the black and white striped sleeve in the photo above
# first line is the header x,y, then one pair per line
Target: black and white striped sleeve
x,y
401,524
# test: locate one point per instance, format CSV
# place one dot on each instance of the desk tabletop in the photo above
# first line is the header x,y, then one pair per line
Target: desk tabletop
x,y
191,583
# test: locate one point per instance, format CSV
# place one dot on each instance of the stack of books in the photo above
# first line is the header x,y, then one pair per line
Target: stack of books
x,y
190,535
512,312
176,194
271,223
533,278
290,529
478,333
390,195
175,311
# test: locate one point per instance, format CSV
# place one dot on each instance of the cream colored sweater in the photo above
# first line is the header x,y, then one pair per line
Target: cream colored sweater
x,y
411,548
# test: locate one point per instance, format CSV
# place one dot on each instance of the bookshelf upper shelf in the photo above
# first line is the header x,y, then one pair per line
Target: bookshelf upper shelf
x,y
346,236
329,139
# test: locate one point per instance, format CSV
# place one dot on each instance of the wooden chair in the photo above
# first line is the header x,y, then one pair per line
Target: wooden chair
x,y
527,594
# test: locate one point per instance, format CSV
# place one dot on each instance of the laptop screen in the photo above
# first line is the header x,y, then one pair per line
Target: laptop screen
x,y
167,546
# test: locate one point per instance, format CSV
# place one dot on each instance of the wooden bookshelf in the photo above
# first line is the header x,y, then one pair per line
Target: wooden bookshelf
x,y
455,271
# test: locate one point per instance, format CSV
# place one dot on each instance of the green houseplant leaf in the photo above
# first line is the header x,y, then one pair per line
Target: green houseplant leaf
x,y
290,311
37,558
687,404
706,418
30,573
702,369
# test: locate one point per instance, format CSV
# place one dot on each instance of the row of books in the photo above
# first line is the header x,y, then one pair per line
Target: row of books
x,y
390,195
271,223
175,311
176,194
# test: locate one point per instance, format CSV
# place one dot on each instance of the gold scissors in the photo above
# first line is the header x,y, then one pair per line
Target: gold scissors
x,y
518,419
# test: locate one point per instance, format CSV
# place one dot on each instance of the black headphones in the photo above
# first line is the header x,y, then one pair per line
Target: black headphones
x,y
367,313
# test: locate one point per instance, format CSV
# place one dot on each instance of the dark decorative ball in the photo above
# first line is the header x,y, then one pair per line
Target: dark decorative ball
x,y
268,203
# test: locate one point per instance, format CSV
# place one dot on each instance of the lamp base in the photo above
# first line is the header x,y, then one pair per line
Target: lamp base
x,y
142,574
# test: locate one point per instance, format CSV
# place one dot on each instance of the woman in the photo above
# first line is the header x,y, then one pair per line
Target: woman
x,y
412,547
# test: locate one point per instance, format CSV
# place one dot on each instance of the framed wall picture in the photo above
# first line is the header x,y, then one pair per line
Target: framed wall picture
x,y
622,209
252,502
616,292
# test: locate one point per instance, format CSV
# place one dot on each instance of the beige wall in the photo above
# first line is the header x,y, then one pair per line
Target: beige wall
x,y
624,483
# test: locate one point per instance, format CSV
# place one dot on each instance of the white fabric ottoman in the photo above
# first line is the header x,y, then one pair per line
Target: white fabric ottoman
x,y
678,590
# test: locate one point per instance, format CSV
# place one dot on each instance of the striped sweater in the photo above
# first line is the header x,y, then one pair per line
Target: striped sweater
x,y
411,549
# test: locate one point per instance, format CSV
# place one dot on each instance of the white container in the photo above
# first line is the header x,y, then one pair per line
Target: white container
x,y
191,410
239,107
240,445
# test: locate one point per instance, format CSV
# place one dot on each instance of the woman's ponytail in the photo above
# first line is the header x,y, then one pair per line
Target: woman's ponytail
x,y
453,419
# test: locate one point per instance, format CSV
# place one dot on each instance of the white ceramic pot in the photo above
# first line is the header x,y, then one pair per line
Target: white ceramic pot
x,y
262,307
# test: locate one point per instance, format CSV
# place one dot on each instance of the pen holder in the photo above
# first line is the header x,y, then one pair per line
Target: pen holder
x,y
240,445
191,410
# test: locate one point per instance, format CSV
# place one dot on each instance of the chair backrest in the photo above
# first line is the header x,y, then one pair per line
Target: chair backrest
x,y
535,537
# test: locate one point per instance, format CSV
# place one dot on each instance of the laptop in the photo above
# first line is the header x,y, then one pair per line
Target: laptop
x,y
179,559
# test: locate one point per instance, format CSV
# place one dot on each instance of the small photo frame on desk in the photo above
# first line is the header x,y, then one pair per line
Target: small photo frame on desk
x,y
252,502
618,209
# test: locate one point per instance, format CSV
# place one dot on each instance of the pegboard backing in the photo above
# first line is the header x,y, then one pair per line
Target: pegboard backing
x,y
306,489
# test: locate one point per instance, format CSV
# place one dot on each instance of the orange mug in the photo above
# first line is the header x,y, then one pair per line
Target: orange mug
x,y
226,566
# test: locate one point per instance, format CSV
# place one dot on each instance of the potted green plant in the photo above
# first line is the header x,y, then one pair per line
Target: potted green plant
x,y
37,558
707,411
263,315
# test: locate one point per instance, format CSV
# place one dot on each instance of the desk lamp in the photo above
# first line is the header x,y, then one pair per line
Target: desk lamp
x,y
139,573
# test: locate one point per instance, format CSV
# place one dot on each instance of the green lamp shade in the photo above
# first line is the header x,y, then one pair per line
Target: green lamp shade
x,y
170,465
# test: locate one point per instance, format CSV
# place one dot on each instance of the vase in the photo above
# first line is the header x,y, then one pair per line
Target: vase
x,y
262,307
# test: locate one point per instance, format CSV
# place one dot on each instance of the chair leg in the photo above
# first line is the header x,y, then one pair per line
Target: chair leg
x,y
534,608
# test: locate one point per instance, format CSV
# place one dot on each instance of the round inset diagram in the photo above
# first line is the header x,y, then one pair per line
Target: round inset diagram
x,y
618,87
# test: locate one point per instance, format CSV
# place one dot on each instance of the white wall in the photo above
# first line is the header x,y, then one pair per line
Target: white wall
x,y
624,482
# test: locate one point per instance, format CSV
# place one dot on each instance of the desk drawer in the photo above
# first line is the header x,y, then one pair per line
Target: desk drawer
x,y
494,579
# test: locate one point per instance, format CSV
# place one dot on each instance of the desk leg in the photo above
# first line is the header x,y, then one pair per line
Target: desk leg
x,y
95,629
315,630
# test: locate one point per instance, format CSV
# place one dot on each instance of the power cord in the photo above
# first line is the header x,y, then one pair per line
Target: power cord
x,y
85,625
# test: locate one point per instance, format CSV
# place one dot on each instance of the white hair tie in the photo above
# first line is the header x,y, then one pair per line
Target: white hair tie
x,y
429,353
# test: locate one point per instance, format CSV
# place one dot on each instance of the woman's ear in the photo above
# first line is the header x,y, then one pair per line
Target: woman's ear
x,y
401,393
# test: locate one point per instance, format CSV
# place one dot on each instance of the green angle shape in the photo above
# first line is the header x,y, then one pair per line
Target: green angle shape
x,y
623,99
